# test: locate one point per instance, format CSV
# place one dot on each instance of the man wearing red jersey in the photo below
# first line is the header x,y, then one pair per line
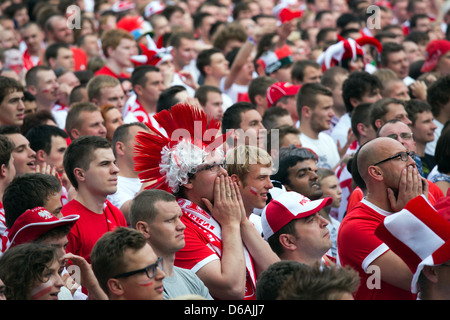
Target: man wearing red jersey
x,y
392,179
90,166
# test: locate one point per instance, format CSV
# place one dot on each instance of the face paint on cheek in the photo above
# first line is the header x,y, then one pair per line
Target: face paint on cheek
x,y
41,290
253,190
146,283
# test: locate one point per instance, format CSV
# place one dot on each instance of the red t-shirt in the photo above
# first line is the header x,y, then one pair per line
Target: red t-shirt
x,y
358,247
80,59
90,226
107,71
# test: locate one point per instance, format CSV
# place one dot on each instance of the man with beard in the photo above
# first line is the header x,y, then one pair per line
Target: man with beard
x,y
298,171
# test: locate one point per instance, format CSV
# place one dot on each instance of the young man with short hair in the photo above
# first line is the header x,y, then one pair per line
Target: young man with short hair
x,y
157,215
315,110
295,230
148,83
126,266
423,128
50,143
104,89
118,46
7,173
59,57
24,156
85,118
89,163
12,108
42,83
210,98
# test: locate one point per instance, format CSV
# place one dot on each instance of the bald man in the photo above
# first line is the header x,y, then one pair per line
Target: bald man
x,y
400,131
392,179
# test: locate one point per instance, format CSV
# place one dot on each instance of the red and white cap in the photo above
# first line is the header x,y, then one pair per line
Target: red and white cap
x,y
271,61
279,90
336,53
286,207
121,6
435,49
418,235
153,7
152,57
32,224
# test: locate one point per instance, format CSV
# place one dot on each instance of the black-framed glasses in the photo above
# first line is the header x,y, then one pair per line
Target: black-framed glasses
x,y
403,135
150,270
402,156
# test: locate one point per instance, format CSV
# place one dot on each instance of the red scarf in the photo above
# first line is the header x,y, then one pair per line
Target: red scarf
x,y
211,227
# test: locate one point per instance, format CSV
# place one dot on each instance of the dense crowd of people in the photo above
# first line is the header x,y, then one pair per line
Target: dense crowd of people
x,y
224,150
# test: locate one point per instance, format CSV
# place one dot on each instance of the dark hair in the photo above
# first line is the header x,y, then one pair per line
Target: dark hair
x,y
138,77
438,94
298,69
289,157
27,191
35,119
53,50
22,265
107,255
307,95
442,152
388,48
232,116
122,133
360,114
31,77
271,279
79,154
8,86
202,93
414,106
204,59
6,148
271,116
356,85
40,137
380,108
259,86
167,98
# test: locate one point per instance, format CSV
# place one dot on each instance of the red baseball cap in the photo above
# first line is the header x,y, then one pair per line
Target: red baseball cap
x,y
286,207
435,49
32,224
279,90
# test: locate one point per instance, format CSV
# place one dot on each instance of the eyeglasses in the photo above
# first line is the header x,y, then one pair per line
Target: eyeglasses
x,y
403,135
402,155
214,167
150,270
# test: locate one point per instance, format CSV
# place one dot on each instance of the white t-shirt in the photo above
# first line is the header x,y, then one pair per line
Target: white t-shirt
x,y
234,91
325,147
340,130
431,146
126,190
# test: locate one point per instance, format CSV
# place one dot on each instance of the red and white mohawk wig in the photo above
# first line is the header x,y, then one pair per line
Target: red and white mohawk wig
x,y
167,162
